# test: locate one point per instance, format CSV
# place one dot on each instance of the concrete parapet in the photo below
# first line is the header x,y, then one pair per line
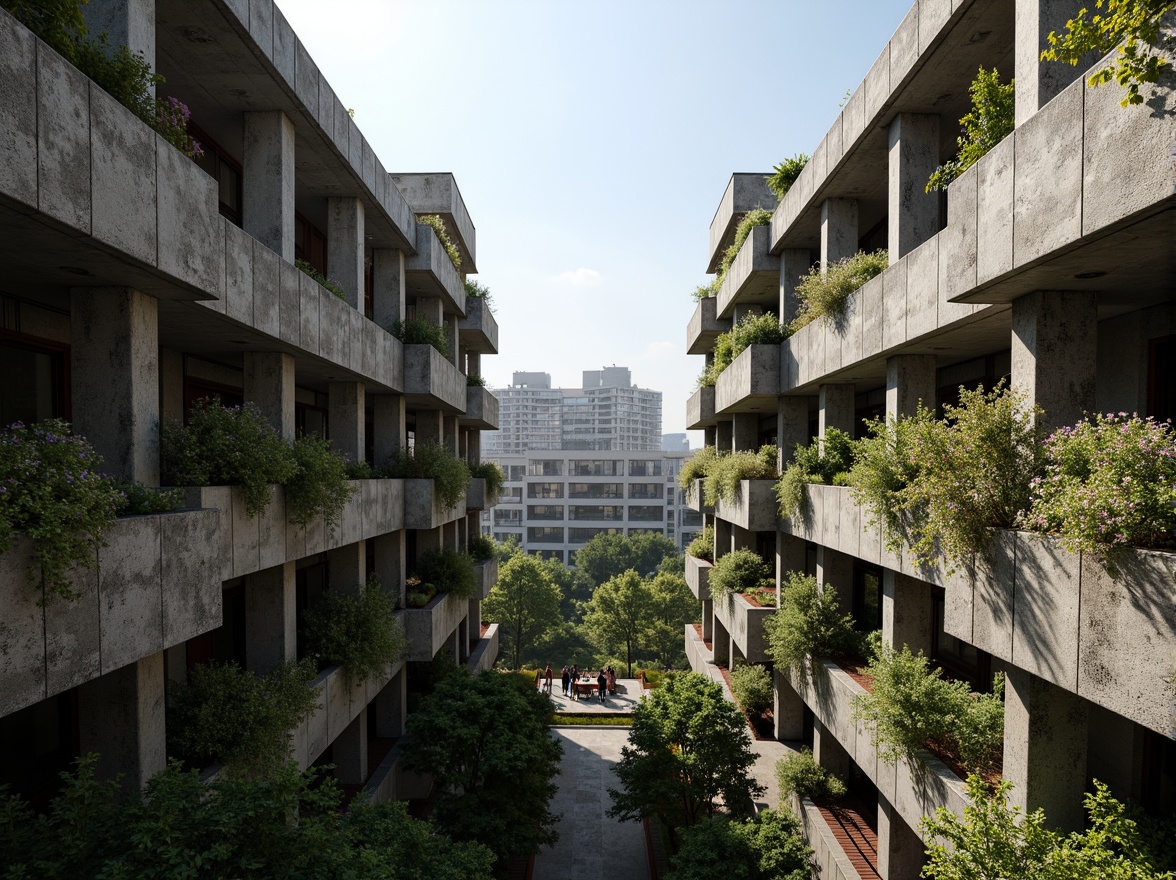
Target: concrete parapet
x,y
698,655
423,510
430,627
744,193
697,576
430,272
752,380
828,855
486,652
478,497
479,329
340,701
753,278
694,498
744,623
438,194
481,409
700,408
705,326
487,575
431,378
753,507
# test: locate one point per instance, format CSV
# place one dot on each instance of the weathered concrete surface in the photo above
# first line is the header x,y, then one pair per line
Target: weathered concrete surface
x,y
753,277
481,409
704,326
753,508
430,272
428,375
439,194
422,508
752,379
428,628
700,408
697,576
744,192
744,623
479,329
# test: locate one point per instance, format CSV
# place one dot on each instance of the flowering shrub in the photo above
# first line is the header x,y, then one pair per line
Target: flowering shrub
x,y
824,461
171,121
1107,483
51,489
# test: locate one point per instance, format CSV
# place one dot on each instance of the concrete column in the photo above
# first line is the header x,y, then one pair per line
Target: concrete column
x,y
430,426
722,538
388,291
129,23
271,634
431,309
722,644
269,385
906,612
789,558
741,538
1054,350
708,620
345,241
839,230
900,850
910,378
473,363
348,567
1039,81
743,310
787,709
267,181
121,717
708,436
835,571
913,213
745,432
389,563
389,431
452,337
474,446
350,751
794,265
792,427
114,370
828,752
389,706
1045,744
429,540
838,408
345,406
450,426
724,436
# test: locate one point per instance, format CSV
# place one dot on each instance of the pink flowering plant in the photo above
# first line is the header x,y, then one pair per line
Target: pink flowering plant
x,y
51,489
171,120
1108,483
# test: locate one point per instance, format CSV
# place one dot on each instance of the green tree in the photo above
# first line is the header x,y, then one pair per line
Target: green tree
x,y
620,615
607,556
989,122
674,606
688,749
524,603
768,847
485,741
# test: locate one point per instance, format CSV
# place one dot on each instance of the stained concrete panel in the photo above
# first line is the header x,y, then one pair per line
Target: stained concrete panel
x,y
261,25
266,290
22,630
957,247
123,192
992,603
238,274
333,326
877,84
994,212
933,15
309,292
130,614
191,240
904,46
72,640
306,79
871,298
63,140
285,54
190,576
289,304
1045,614
894,304
18,112
246,537
271,531
923,289
851,326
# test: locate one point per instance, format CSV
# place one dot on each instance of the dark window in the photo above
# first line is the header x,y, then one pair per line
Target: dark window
x,y
309,243
35,385
958,659
310,582
312,420
40,741
199,389
645,490
544,511
545,490
545,535
867,597
646,513
225,170
1161,378
227,641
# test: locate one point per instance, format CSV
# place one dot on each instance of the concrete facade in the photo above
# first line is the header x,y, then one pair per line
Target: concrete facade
x,y
1035,268
148,281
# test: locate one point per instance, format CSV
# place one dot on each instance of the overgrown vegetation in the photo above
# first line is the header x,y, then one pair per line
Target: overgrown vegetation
x,y
752,686
823,293
242,720
801,775
697,466
449,571
478,290
431,461
437,224
481,548
727,471
768,847
809,624
762,329
1134,23
703,545
740,571
826,460
419,331
358,632
319,486
492,474
753,218
315,275
784,174
140,500
989,122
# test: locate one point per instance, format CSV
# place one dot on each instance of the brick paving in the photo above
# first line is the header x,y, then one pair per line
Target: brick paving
x,y
857,839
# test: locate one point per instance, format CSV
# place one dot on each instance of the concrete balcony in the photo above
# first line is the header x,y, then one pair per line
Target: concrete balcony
x,y
430,627
697,575
744,192
481,409
486,651
744,623
705,326
828,854
754,276
438,194
430,272
431,381
753,507
245,545
158,584
751,383
695,496
487,576
479,329
700,409
478,496
339,702
424,510
698,655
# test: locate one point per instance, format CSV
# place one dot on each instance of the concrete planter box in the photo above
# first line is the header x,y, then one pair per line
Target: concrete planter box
x,y
430,272
753,508
751,382
339,701
478,329
700,409
697,574
481,409
828,854
486,652
705,325
487,576
428,628
743,193
424,510
754,276
158,584
697,653
694,498
438,194
744,622
478,497
432,380
381,785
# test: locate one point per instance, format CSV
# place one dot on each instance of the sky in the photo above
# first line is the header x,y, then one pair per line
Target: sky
x,y
592,143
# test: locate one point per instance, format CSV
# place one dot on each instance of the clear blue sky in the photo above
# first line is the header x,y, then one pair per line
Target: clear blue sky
x,y
592,142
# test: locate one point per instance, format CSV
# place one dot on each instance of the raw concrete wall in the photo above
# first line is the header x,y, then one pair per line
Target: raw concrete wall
x,y
704,326
428,374
700,408
753,274
744,623
339,700
430,627
484,655
431,266
697,654
829,857
481,409
423,510
753,508
438,194
698,576
744,192
755,372
479,329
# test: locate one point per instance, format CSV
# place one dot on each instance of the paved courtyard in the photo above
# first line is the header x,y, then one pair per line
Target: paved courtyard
x,y
626,697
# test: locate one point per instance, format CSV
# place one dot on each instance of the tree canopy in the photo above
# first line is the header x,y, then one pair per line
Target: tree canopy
x,y
606,556
525,603
620,613
768,847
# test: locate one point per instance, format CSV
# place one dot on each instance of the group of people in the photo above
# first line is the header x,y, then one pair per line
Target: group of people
x,y
606,680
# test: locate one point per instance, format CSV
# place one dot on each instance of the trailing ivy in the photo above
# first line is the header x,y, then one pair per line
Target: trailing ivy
x,y
989,122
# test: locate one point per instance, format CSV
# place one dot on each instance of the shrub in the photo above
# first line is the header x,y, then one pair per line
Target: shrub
x,y
140,500
226,446
315,275
989,122
785,174
755,217
450,571
752,330
434,222
809,624
225,714
824,294
737,572
912,706
728,471
319,486
482,548
801,775
359,633
697,466
492,474
418,331
51,489
752,687
1108,483
825,461
431,461
884,466
769,847
473,381
703,545
358,470
479,291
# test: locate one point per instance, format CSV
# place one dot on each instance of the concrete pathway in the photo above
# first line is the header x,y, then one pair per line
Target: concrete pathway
x,y
591,846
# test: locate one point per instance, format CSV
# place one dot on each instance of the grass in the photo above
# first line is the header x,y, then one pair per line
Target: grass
x,y
562,718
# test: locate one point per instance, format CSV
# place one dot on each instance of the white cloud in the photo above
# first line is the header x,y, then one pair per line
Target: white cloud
x,y
581,277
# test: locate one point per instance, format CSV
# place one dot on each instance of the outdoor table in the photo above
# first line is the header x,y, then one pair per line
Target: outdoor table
x,y
584,686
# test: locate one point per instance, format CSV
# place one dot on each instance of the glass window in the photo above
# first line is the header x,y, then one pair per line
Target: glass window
x,y
645,490
544,535
596,512
34,383
512,494
645,531
646,513
545,468
596,490
545,511
645,468
584,535
516,472
550,554
545,490
595,468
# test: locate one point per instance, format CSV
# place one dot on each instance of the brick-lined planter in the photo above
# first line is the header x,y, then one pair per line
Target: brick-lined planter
x,y
697,575
829,855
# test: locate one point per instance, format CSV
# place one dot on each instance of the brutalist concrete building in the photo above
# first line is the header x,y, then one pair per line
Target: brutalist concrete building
x,y
138,281
1052,262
